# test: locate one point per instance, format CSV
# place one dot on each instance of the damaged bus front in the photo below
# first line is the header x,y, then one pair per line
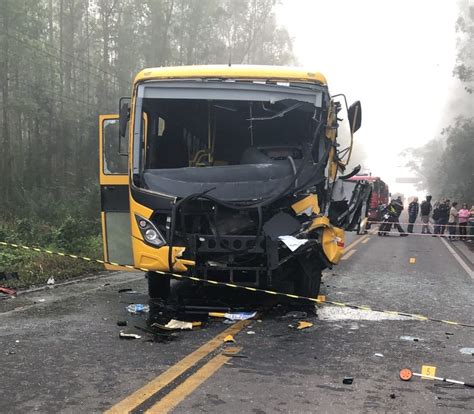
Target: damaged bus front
x,y
230,176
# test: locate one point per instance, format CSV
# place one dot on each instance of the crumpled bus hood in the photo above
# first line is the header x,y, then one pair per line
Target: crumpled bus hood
x,y
229,182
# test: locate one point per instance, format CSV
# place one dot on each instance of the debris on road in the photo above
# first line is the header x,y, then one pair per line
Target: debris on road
x,y
158,336
235,316
7,291
335,313
122,323
348,380
138,308
467,351
296,315
50,281
128,291
303,325
175,324
41,300
129,335
379,355
410,338
250,332
229,339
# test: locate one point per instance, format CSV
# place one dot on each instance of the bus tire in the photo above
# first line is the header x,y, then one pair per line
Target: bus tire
x,y
158,285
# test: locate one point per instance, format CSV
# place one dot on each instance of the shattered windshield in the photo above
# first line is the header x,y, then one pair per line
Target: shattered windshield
x,y
192,125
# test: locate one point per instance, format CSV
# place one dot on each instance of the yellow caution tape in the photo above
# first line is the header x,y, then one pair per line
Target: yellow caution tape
x,y
320,299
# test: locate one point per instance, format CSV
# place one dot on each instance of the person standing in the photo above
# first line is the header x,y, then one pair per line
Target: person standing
x,y
470,222
425,211
443,216
436,216
453,221
413,209
396,208
463,218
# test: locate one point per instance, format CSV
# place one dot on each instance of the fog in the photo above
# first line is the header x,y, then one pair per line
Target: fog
x,y
396,57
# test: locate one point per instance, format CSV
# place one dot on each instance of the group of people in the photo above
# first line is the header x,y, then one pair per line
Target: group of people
x,y
445,216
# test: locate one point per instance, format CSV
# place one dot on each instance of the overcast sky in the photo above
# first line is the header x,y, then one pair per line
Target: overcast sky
x,y
397,57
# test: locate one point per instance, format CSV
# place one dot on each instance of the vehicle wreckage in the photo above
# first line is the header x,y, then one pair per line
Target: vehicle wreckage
x,y
228,173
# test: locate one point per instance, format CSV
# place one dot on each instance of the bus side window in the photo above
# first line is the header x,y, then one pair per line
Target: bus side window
x,y
114,163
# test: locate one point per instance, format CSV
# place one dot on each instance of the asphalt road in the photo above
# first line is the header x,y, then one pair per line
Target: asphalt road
x,y
61,351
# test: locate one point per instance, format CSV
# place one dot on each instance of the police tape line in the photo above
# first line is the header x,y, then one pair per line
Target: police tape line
x,y
234,286
420,223
422,234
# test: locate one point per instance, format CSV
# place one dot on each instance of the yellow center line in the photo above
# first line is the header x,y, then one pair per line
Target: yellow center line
x,y
148,390
171,400
355,243
348,254
366,240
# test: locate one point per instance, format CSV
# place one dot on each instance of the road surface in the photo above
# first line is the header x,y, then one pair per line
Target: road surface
x,y
61,352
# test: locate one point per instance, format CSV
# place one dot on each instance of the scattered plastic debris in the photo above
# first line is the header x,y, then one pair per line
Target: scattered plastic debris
x,y
348,380
50,281
41,300
304,325
410,338
228,321
174,324
296,315
393,396
292,242
129,335
122,323
229,339
128,291
7,291
379,355
235,316
467,351
250,332
336,313
138,308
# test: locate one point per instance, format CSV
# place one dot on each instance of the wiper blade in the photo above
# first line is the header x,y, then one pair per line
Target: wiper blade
x,y
279,114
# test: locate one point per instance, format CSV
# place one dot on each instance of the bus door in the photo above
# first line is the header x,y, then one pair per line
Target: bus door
x,y
114,194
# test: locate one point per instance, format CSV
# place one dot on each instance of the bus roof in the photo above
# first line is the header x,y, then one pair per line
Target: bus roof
x,y
277,73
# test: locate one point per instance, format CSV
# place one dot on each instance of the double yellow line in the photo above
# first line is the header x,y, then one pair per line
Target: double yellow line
x,y
180,392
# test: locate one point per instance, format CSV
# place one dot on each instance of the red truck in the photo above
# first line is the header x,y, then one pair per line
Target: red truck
x,y
379,195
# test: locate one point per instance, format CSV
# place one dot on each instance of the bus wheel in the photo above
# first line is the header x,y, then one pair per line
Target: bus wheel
x,y
158,285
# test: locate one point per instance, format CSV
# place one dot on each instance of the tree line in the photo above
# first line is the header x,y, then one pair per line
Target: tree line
x,y
444,166
64,62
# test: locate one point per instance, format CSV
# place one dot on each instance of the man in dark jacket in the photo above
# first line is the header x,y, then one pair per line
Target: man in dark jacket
x,y
413,209
396,207
425,211
443,214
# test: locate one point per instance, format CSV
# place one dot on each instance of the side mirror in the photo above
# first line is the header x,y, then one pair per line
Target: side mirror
x,y
355,116
124,116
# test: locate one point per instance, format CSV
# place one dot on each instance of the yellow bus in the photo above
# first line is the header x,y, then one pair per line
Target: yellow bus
x,y
227,173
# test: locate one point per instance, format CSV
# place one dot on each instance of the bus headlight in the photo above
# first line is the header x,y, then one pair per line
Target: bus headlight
x,y
149,232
